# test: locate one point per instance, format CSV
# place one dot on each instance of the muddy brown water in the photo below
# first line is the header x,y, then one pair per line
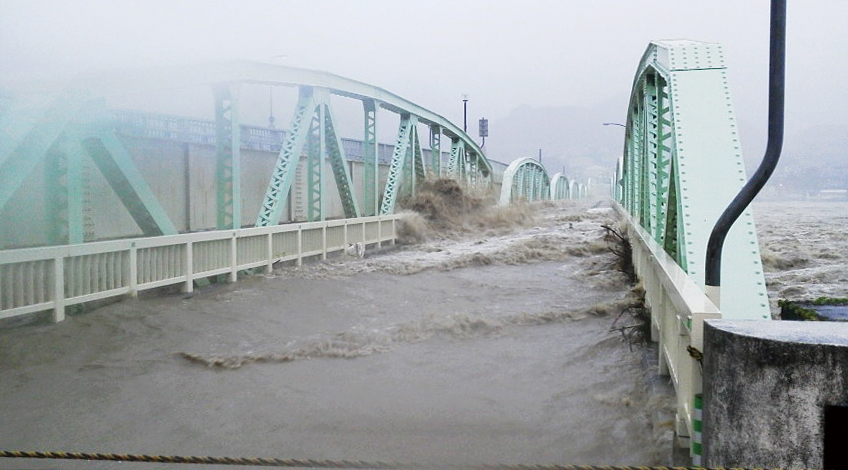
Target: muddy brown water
x,y
487,346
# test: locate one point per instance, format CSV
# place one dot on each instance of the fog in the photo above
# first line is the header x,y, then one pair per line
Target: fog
x,y
502,54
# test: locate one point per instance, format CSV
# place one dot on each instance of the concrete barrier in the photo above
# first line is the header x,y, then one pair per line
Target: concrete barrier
x,y
775,394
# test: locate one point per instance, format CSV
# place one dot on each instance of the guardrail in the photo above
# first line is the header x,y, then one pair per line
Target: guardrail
x,y
52,278
678,310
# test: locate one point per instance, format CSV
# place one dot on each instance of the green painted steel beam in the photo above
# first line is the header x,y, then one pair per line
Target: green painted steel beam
x,y
683,165
399,157
228,153
28,135
370,156
339,164
283,174
316,153
64,189
56,196
241,71
436,150
457,159
116,165
419,173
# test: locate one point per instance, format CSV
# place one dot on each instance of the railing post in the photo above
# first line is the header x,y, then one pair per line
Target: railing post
x,y
133,274
270,267
188,287
324,242
300,245
58,289
233,276
394,231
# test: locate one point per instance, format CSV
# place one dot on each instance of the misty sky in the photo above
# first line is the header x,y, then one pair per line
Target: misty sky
x,y
503,54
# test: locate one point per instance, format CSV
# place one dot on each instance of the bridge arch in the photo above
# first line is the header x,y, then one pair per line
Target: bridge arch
x,y
560,187
682,165
524,179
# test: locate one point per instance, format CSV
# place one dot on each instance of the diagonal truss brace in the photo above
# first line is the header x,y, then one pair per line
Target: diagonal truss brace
x,y
281,178
338,161
313,101
394,180
117,166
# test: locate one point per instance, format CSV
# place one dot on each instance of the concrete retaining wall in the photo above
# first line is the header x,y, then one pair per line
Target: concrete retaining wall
x,y
766,388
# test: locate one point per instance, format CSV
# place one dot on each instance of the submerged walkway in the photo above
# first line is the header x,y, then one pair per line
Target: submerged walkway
x,y
489,344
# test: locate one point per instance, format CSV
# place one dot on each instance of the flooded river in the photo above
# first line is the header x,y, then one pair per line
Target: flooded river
x,y
490,342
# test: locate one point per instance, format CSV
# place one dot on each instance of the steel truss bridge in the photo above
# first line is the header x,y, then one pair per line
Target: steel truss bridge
x,y
525,179
191,188
681,166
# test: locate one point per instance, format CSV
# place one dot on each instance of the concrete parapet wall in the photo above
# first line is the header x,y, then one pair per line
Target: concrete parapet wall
x,y
766,388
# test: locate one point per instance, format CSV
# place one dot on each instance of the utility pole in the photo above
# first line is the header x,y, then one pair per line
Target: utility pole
x,y
465,113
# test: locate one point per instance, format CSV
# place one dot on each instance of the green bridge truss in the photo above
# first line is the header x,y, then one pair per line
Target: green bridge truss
x,y
58,132
682,165
525,179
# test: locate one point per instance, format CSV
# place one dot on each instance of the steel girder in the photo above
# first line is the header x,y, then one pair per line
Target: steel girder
x,y
31,129
401,169
456,163
338,162
66,189
682,165
241,71
524,179
117,166
64,132
228,152
435,151
312,118
370,156
316,154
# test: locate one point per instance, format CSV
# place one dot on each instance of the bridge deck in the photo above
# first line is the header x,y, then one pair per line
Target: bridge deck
x,y
486,347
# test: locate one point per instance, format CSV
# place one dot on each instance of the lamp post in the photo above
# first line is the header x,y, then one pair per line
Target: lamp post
x,y
465,112
614,124
271,118
270,107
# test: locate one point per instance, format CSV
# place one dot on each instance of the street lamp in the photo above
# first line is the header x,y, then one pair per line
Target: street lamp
x,y
614,124
271,118
271,107
465,112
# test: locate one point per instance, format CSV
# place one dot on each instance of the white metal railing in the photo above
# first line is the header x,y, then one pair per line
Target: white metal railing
x,y
678,310
52,278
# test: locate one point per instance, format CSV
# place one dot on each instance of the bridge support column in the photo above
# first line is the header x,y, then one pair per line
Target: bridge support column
x,y
228,150
64,188
370,156
436,151
456,164
316,154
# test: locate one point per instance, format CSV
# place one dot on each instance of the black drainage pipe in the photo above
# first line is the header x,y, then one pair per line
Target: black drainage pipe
x,y
777,75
